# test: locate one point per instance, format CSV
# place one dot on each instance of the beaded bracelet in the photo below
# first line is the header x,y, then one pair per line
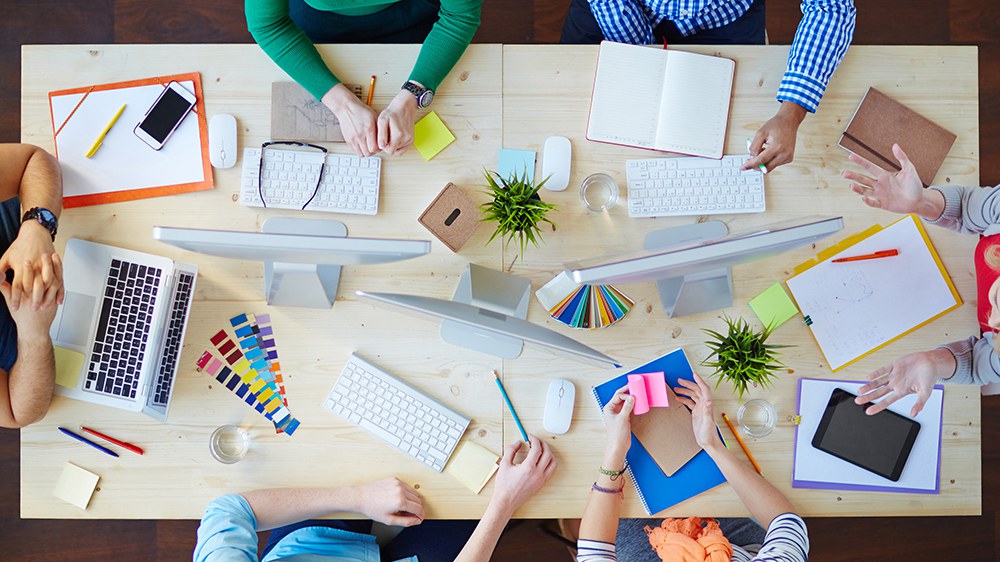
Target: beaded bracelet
x,y
613,474
597,488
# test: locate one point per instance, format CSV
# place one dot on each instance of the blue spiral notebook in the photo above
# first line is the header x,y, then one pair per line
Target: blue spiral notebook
x,y
656,490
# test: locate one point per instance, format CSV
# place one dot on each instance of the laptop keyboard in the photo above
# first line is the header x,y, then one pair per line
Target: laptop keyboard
x,y
123,329
172,339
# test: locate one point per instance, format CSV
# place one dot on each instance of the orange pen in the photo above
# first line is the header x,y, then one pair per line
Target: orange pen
x,y
371,90
875,256
128,446
742,444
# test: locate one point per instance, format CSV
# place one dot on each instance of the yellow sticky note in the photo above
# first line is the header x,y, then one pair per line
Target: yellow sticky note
x,y
76,485
472,465
773,306
69,365
431,135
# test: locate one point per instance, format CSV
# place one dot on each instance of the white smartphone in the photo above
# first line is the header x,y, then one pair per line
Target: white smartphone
x,y
166,113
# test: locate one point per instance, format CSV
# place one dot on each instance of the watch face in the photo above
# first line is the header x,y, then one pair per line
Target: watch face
x,y
47,215
425,99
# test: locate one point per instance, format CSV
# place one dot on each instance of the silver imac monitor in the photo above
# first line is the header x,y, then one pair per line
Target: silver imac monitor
x,y
692,264
491,326
302,257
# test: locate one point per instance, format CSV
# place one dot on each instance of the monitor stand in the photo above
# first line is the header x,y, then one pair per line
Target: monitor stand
x,y
493,291
698,292
296,284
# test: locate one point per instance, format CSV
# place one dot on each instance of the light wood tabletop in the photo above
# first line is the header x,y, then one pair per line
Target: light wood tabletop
x,y
513,96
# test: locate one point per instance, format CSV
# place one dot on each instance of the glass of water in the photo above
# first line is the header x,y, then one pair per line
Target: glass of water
x,y
599,192
229,444
757,417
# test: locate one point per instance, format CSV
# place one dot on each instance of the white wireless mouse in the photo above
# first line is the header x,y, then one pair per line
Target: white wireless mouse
x,y
559,406
556,155
222,149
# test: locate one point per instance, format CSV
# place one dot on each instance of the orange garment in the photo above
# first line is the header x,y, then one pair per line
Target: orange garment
x,y
690,540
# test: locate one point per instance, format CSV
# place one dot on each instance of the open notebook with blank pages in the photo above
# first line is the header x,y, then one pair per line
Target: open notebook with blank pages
x,y
854,308
661,99
813,468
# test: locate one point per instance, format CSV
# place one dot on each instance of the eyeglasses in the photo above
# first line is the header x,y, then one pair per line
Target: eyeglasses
x,y
260,168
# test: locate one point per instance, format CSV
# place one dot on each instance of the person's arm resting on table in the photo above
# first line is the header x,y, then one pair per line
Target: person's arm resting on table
x,y
622,21
822,38
32,175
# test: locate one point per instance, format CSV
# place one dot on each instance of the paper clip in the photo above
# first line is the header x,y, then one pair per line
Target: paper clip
x,y
794,419
807,320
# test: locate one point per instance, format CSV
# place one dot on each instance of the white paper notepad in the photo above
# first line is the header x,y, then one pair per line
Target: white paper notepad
x,y
76,485
661,99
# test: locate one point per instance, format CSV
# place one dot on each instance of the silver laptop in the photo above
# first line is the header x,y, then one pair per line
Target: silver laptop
x,y
126,312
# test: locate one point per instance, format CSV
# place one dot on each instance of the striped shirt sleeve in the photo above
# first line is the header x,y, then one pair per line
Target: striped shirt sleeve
x,y
823,36
786,541
595,551
622,21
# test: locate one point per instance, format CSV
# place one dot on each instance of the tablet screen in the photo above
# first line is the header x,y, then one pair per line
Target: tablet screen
x,y
879,443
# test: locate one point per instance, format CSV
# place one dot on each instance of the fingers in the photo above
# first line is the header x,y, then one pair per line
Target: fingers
x,y
402,520
876,377
413,507
862,179
509,452
702,385
57,272
865,164
873,395
383,132
686,402
771,157
886,402
922,399
904,160
627,406
757,144
402,134
535,453
22,284
37,292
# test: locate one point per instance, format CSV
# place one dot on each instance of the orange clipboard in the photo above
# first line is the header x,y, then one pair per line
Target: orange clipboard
x,y
854,239
144,192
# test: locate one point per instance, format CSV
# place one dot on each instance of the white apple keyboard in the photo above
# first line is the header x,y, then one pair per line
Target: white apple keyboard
x,y
670,187
397,413
350,184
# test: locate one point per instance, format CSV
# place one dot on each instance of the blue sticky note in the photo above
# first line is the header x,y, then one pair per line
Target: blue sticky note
x,y
514,162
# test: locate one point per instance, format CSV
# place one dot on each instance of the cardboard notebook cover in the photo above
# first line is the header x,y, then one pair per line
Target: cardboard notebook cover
x,y
667,435
656,490
451,217
881,121
297,115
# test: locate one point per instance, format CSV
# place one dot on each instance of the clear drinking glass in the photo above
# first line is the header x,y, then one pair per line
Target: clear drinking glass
x,y
599,192
757,417
229,444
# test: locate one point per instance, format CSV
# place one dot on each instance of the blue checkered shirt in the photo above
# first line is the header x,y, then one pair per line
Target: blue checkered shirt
x,y
824,34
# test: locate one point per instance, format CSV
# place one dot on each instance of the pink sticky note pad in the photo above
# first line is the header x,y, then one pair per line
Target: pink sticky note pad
x,y
637,388
649,391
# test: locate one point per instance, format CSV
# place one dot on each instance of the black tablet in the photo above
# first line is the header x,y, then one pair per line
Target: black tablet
x,y
879,443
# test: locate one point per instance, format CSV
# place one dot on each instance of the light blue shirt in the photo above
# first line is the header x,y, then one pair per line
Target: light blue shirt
x,y
823,35
228,533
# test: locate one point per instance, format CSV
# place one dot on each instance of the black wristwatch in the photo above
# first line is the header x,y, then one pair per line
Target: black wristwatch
x,y
44,217
424,95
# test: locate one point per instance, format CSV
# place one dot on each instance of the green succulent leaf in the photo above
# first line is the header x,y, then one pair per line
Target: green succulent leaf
x,y
516,209
742,356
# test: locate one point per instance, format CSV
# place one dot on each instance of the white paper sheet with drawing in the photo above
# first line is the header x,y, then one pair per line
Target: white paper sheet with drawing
x,y
814,468
856,307
123,162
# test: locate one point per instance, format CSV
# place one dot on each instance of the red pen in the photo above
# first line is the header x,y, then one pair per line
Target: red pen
x,y
128,446
875,256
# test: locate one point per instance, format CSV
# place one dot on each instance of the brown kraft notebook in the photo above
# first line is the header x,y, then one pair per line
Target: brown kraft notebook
x,y
667,435
881,121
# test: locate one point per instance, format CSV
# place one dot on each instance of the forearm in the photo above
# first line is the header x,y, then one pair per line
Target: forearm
x,y
448,39
31,379
277,507
762,500
964,209
821,40
41,184
484,539
600,517
969,361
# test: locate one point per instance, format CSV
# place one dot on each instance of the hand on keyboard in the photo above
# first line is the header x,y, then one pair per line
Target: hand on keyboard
x,y
778,133
391,502
517,482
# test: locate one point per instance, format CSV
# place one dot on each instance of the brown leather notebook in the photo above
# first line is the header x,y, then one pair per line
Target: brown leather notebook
x,y
667,435
881,121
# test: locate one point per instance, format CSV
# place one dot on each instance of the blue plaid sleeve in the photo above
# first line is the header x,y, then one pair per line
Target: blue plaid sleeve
x,y
824,34
622,21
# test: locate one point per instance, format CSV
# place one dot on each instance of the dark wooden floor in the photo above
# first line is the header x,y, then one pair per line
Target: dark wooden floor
x,y
936,22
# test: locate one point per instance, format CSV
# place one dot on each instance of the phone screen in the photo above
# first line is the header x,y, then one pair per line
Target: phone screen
x,y
165,115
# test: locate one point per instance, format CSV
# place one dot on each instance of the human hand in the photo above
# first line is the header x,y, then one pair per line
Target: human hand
x,y
779,134
395,123
698,397
516,483
391,502
900,192
357,120
618,421
916,372
30,256
35,321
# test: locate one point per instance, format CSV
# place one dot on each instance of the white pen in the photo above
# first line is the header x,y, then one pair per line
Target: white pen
x,y
762,167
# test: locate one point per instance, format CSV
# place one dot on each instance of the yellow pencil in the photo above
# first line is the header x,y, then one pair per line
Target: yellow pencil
x,y
742,444
104,133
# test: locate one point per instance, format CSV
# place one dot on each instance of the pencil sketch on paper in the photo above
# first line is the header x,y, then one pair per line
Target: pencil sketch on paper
x,y
852,290
297,115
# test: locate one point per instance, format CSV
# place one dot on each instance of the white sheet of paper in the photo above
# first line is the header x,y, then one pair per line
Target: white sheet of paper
x,y
811,464
857,306
123,162
76,485
695,109
626,103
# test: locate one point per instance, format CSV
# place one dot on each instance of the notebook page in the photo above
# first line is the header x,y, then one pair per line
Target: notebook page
x,y
626,102
695,104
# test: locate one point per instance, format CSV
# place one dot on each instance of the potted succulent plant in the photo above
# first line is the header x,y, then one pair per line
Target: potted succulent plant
x,y
742,355
516,208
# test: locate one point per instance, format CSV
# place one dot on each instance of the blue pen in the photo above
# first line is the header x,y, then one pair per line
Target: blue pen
x,y
83,439
510,407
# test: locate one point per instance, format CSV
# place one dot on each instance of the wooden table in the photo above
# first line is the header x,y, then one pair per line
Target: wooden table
x,y
514,96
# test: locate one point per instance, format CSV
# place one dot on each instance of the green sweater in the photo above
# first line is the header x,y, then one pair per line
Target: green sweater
x,y
290,48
